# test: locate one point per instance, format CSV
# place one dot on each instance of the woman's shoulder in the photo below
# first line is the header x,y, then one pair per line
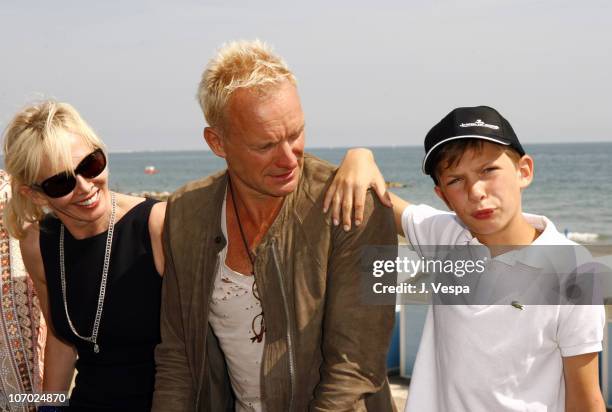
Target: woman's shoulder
x,y
154,211
156,219
158,211
31,231
128,204
151,209
125,203
29,244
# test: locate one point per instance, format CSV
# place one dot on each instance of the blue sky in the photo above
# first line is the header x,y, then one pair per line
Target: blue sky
x,y
369,74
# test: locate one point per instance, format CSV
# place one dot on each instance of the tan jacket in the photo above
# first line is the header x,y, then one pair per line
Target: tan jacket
x,y
325,350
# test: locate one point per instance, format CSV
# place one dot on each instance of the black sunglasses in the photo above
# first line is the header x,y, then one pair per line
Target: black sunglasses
x,y
63,183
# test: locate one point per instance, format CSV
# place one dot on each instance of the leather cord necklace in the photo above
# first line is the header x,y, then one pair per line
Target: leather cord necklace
x,y
242,235
258,337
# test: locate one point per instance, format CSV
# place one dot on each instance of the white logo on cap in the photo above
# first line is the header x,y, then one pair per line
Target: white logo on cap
x,y
479,123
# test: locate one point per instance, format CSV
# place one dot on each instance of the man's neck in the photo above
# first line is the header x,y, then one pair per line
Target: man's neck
x,y
256,210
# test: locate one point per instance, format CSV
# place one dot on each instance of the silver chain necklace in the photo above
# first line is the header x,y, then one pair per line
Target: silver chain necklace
x,y
107,253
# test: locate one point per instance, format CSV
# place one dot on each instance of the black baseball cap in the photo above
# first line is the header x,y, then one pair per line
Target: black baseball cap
x,y
481,122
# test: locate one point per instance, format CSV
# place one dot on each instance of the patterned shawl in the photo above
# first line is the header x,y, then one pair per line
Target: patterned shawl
x,y
22,328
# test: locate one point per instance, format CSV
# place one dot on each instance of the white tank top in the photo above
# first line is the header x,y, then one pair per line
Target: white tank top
x,y
232,310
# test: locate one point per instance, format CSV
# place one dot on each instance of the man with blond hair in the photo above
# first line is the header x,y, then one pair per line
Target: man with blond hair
x,y
262,305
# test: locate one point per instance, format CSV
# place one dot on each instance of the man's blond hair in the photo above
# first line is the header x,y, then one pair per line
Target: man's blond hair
x,y
238,64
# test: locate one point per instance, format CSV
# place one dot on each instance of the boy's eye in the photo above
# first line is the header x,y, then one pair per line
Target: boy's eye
x,y
490,169
453,181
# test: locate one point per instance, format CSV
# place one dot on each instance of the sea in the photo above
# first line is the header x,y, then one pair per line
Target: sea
x,y
572,185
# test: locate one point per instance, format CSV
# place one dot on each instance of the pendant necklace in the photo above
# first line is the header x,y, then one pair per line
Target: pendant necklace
x,y
107,252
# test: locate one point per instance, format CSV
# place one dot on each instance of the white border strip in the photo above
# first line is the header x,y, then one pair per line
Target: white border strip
x,y
605,371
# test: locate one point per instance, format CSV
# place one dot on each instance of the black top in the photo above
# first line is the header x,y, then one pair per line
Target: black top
x,y
121,375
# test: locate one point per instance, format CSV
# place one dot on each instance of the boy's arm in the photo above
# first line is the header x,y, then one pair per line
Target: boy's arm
x,y
580,333
582,392
399,205
357,173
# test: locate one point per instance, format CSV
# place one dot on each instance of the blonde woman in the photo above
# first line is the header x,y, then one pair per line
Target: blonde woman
x,y
95,258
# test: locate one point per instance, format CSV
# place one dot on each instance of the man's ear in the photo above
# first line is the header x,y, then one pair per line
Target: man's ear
x,y
524,169
215,141
35,196
441,195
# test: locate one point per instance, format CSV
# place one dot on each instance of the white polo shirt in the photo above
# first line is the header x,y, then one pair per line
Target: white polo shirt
x,y
495,357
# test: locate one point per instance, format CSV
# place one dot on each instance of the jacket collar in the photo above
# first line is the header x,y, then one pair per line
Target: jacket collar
x,y
296,205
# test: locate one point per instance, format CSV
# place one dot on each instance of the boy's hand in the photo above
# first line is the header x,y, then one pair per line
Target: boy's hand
x,y
582,392
356,174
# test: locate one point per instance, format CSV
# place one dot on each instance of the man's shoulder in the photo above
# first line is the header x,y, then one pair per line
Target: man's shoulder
x,y
198,197
198,188
317,176
317,171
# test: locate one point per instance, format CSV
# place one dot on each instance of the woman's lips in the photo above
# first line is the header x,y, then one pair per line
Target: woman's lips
x,y
91,201
483,214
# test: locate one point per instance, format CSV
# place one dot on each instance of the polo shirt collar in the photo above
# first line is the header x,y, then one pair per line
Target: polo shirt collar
x,y
528,256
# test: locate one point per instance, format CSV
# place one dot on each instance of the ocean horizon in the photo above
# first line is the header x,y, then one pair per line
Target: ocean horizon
x,y
331,147
572,184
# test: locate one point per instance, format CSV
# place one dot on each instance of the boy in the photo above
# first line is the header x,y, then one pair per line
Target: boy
x,y
496,357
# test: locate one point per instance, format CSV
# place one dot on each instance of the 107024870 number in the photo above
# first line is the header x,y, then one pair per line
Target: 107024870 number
x,y
39,398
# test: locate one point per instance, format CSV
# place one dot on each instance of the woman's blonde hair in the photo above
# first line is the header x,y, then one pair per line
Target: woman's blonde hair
x,y
39,133
239,64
